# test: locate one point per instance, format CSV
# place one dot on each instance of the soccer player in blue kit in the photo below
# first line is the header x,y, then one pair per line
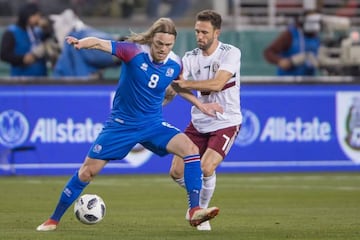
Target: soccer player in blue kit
x,y
149,67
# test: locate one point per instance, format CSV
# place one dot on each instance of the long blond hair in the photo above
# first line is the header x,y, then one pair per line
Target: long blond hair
x,y
162,25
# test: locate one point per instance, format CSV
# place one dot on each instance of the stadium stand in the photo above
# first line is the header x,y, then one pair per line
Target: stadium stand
x,y
246,22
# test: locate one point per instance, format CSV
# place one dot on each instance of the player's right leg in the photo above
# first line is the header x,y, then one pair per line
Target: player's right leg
x,y
72,190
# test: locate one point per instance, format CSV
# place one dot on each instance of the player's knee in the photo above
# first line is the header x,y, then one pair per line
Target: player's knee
x,y
85,174
207,169
175,173
188,149
193,149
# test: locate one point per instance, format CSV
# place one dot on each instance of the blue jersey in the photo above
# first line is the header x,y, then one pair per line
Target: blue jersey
x,y
142,84
136,115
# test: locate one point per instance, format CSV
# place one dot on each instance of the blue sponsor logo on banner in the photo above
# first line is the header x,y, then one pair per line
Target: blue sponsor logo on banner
x,y
14,128
250,128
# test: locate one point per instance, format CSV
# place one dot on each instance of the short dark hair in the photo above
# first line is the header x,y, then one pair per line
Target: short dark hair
x,y
26,11
210,15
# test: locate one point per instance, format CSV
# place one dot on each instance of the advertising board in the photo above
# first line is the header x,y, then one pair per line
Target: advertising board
x,y
48,129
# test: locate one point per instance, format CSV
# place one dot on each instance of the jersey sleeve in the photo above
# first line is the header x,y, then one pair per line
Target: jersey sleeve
x,y
124,50
231,61
186,70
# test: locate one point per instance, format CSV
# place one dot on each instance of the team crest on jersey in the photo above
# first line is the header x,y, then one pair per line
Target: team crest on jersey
x,y
144,66
170,72
348,123
97,148
197,73
215,67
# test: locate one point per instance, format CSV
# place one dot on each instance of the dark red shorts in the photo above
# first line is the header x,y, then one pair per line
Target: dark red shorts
x,y
220,140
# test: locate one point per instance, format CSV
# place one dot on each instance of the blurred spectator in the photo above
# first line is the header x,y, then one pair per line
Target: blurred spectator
x,y
5,8
127,8
349,9
295,50
177,8
20,39
79,63
79,6
48,48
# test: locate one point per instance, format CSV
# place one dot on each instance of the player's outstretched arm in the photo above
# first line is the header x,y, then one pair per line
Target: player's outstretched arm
x,y
169,95
215,84
90,43
209,109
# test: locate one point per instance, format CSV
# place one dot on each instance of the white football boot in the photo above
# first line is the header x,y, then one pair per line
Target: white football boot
x,y
48,225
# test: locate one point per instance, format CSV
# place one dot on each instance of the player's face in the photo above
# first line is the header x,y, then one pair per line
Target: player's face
x,y
161,46
205,34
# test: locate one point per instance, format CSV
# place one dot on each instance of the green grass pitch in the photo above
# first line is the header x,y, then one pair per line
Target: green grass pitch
x,y
319,206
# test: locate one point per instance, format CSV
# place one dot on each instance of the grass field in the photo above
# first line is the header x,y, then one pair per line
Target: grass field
x,y
140,207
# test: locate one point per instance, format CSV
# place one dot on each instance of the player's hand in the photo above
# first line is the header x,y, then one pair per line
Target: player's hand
x,y
29,58
181,83
211,109
169,95
285,64
73,41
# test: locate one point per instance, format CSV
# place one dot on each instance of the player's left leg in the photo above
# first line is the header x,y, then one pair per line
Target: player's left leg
x,y
209,162
217,145
163,139
183,147
177,166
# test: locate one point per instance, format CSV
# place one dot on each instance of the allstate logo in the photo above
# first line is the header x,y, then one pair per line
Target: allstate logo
x,y
250,128
14,128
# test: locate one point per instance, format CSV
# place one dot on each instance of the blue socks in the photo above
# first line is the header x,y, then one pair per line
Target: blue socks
x,y
70,193
192,177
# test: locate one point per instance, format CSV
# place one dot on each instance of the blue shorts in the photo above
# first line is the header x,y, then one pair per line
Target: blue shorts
x,y
116,140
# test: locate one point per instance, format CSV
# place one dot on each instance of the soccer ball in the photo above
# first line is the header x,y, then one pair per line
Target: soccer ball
x,y
89,209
